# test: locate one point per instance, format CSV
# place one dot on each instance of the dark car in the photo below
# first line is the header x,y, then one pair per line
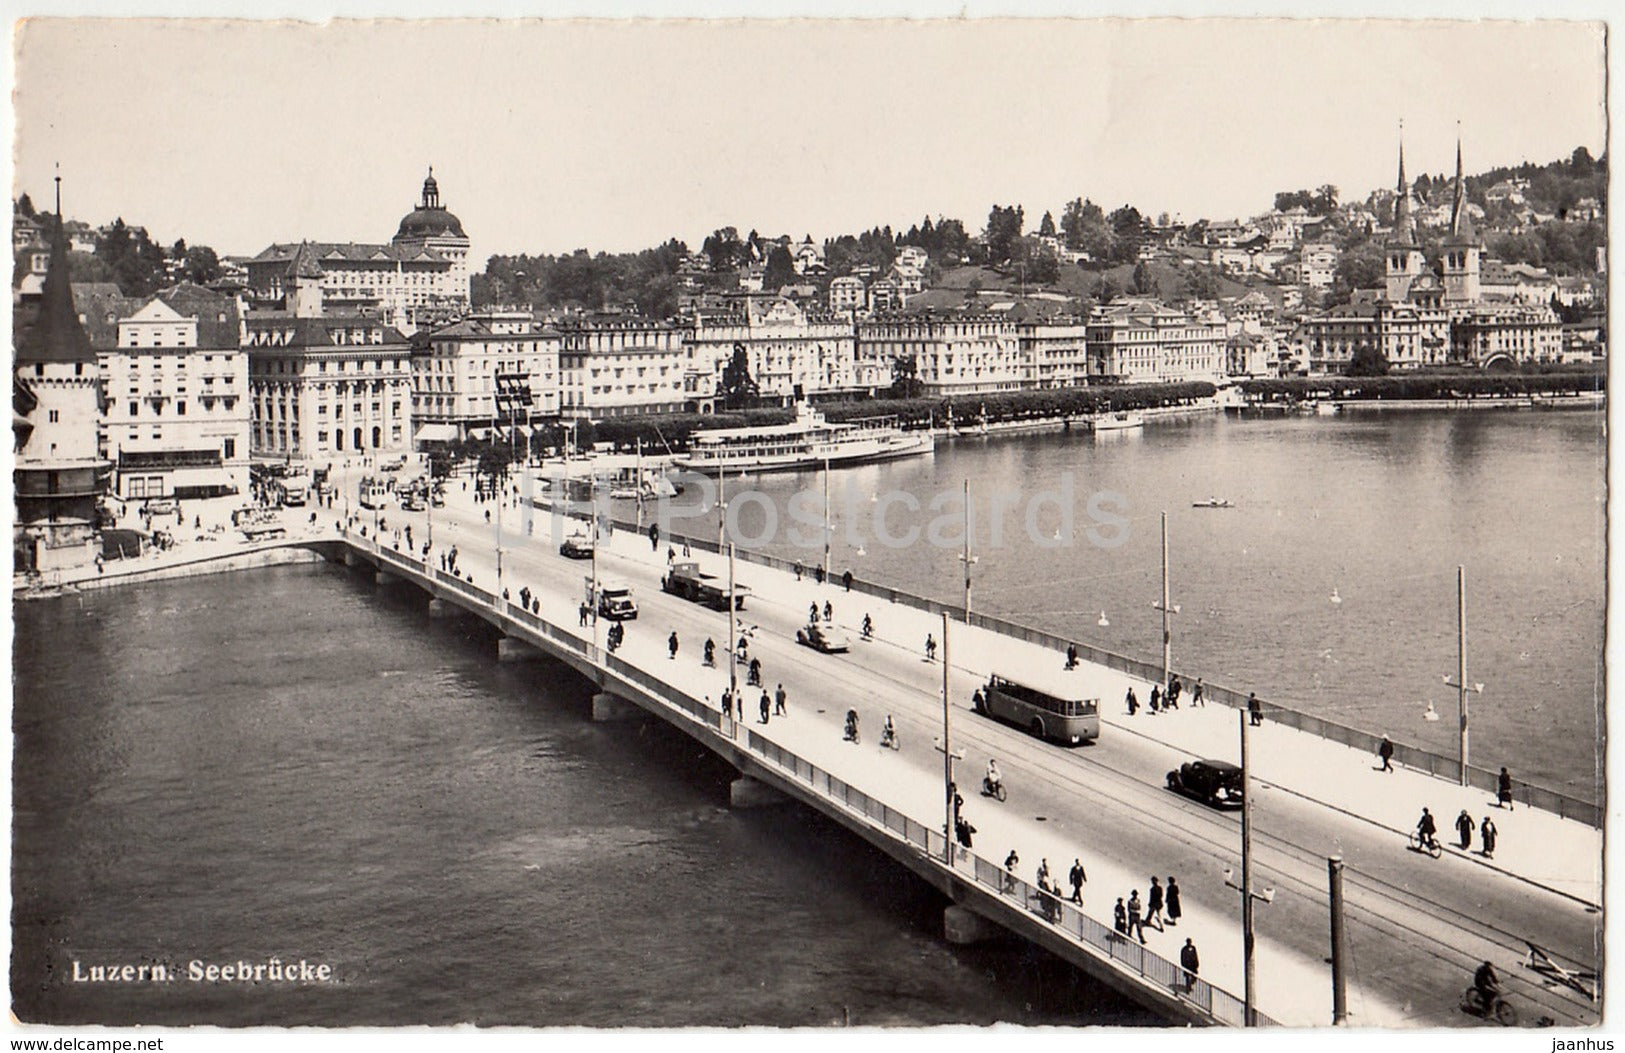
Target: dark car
x,y
1214,782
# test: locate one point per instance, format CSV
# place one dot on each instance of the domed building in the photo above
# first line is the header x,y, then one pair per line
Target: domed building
x,y
431,226
418,279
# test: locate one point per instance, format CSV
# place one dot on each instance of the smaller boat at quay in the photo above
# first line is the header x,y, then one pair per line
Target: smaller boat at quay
x,y
1116,422
1213,502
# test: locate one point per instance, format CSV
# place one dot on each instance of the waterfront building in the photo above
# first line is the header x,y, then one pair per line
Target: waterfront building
x,y
1139,341
621,367
175,379
808,258
960,354
59,475
1053,352
492,369
792,353
1488,334
1407,335
419,277
326,385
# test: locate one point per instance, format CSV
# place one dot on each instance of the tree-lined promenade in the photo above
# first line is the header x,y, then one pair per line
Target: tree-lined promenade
x,y
1431,386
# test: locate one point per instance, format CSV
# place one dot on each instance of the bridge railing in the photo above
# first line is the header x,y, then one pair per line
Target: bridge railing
x,y
1067,918
1445,767
924,838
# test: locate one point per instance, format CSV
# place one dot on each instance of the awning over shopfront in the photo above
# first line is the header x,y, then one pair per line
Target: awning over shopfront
x,y
437,433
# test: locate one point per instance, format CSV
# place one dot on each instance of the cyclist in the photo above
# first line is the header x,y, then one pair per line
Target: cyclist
x,y
851,725
991,780
710,652
888,734
868,627
1425,829
1487,984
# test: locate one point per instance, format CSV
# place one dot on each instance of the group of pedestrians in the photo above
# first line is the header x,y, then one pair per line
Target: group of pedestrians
x,y
767,706
1162,698
1161,908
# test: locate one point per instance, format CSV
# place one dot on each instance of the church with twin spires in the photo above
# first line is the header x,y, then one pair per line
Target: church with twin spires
x,y
1430,315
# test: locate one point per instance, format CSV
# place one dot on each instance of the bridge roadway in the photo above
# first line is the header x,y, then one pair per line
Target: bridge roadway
x,y
1416,927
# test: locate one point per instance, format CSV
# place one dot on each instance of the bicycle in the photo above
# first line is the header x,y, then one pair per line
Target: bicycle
x,y
992,789
888,740
1431,846
1499,1009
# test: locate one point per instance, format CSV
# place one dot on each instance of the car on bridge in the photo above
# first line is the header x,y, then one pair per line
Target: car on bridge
x,y
1213,782
824,636
577,546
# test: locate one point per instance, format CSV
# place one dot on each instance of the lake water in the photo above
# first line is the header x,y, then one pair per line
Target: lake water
x,y
1376,509
288,762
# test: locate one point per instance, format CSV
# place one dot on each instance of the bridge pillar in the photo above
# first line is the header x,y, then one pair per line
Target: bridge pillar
x,y
439,608
746,792
608,708
351,559
511,649
961,926
384,577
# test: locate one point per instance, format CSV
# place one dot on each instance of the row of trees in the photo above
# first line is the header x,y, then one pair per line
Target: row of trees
x,y
645,280
1430,385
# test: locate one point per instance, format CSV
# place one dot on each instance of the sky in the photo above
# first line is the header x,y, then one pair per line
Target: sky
x,y
546,137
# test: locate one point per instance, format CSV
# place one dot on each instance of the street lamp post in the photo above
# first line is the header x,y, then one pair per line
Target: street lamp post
x,y
1249,1000
1167,608
828,523
733,633
966,558
1460,683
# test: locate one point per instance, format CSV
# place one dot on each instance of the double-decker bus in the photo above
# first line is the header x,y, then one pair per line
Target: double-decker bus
x,y
1059,718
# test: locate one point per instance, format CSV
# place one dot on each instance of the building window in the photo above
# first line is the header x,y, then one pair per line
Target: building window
x,y
54,416
180,409
229,449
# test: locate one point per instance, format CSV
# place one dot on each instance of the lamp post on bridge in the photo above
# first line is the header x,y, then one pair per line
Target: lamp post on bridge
x,y
949,755
965,557
1167,608
1460,683
1249,1000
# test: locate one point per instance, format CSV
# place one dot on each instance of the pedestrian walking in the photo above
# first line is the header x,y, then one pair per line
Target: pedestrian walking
x,y
727,701
818,574
1503,790
1120,918
1011,861
584,610
829,612
1077,877
762,708
1189,961
1132,702
1196,694
1043,873
1135,925
812,611
778,702
1487,835
1465,828
1174,909
846,579
1386,753
671,643
930,648
1153,904
1174,690
654,537
1156,699
1255,710
799,569
963,831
